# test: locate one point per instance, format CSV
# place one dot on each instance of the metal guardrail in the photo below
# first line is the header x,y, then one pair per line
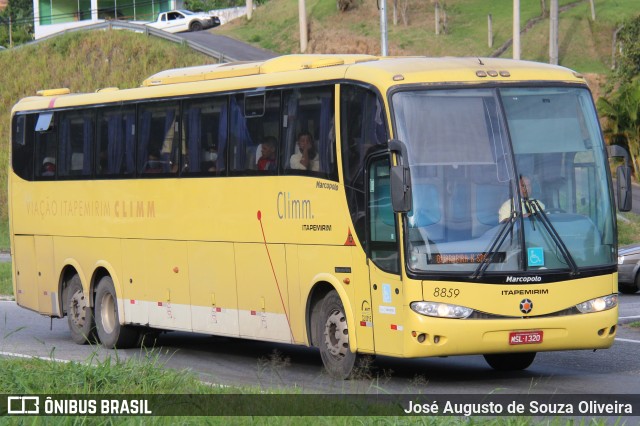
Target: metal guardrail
x,y
139,28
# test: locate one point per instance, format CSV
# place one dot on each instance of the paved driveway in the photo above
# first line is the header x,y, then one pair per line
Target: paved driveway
x,y
230,48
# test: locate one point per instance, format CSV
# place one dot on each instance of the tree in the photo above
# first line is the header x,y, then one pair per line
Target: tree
x,y
628,54
21,14
621,111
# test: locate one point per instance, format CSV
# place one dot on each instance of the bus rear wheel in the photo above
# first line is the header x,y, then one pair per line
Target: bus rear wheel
x,y
79,313
111,333
332,332
510,362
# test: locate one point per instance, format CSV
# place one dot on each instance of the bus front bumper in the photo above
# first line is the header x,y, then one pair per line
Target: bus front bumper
x,y
429,336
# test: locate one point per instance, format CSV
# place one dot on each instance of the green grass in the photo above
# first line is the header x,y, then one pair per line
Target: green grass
x,y
629,230
584,45
4,233
6,283
147,376
131,376
635,324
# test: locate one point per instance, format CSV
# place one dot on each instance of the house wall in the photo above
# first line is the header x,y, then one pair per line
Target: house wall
x,y
54,16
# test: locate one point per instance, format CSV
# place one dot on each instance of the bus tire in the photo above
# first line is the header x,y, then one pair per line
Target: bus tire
x,y
111,333
79,313
510,362
333,337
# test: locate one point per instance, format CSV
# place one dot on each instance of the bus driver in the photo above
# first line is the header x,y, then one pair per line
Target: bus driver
x,y
507,207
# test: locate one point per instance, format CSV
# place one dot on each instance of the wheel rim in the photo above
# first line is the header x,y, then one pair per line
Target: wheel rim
x,y
78,308
108,313
336,334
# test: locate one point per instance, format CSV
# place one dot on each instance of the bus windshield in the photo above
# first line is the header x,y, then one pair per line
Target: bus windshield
x,y
505,180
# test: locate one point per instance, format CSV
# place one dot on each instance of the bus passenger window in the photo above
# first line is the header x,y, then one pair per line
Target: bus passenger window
x,y
76,140
158,139
116,142
205,136
22,146
255,121
309,132
45,145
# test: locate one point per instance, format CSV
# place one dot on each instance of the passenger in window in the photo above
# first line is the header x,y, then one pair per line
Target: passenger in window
x,y
267,160
210,157
307,157
508,206
49,166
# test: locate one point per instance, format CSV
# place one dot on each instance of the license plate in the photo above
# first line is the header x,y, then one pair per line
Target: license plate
x,y
525,337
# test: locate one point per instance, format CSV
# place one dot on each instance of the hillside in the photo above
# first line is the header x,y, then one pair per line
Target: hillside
x,y
584,45
83,62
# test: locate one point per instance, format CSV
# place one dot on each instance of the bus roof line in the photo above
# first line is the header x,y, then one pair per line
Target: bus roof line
x,y
242,69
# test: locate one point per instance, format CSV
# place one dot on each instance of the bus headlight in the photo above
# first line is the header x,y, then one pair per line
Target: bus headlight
x,y
599,304
620,260
442,310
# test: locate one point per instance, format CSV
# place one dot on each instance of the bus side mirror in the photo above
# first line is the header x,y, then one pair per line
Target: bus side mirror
x,y
624,188
401,189
401,198
623,177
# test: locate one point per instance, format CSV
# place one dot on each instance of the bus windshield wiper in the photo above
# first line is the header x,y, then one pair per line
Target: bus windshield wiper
x,y
538,212
505,230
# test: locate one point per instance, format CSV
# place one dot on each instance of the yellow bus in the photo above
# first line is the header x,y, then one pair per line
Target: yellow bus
x,y
407,207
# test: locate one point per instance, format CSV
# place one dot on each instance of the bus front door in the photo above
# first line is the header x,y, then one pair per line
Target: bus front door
x,y
384,260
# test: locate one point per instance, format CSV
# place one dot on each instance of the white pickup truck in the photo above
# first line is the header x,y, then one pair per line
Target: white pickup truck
x,y
175,21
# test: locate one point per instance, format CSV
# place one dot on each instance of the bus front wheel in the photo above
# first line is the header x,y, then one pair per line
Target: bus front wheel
x,y
510,362
332,332
79,313
111,333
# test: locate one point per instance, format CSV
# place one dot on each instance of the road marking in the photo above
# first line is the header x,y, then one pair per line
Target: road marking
x,y
15,355
627,340
631,317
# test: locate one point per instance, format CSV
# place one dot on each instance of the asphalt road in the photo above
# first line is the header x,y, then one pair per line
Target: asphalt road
x,y
231,48
242,362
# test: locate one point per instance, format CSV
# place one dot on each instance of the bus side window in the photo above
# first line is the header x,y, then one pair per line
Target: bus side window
x,y
76,140
310,113
382,222
255,119
22,146
46,139
363,131
116,142
205,134
158,139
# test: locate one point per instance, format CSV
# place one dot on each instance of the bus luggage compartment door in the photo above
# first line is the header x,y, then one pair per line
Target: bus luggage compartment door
x,y
24,257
